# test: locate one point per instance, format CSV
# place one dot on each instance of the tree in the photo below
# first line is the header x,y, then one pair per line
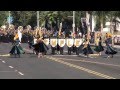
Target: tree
x,y
3,17
101,18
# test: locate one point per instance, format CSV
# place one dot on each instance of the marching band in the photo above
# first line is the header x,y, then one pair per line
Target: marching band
x,y
39,40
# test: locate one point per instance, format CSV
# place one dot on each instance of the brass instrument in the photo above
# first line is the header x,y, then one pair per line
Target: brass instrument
x,y
59,33
86,43
97,41
40,32
16,37
30,32
36,31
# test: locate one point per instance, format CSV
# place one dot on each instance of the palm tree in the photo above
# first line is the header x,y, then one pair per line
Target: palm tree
x,y
101,18
113,15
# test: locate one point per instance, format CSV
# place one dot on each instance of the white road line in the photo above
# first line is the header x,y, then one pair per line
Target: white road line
x,y
16,70
21,73
11,66
7,71
3,61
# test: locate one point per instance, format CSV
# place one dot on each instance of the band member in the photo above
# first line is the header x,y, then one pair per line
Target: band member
x,y
30,41
61,43
40,47
77,43
29,37
54,44
70,43
110,50
58,35
61,36
16,49
98,45
1,35
20,29
11,33
82,45
45,39
87,49
4,33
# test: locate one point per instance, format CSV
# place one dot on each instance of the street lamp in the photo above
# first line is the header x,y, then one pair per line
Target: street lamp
x,y
37,18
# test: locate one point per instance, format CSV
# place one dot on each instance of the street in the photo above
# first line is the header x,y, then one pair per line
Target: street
x,y
28,66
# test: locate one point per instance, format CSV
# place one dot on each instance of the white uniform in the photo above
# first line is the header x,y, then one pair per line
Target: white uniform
x,y
19,35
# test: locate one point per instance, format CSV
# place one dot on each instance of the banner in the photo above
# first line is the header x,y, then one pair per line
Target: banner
x,y
61,42
46,41
69,42
53,42
77,42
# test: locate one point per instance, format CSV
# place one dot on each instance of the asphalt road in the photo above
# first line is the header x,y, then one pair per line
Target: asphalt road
x,y
57,66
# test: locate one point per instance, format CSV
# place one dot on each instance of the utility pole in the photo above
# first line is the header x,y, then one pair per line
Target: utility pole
x,y
37,18
73,21
9,18
73,25
88,24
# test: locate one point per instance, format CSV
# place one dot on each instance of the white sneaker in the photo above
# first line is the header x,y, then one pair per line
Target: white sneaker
x,y
108,56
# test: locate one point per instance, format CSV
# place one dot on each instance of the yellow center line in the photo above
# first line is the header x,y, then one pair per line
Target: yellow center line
x,y
65,59
81,68
78,67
